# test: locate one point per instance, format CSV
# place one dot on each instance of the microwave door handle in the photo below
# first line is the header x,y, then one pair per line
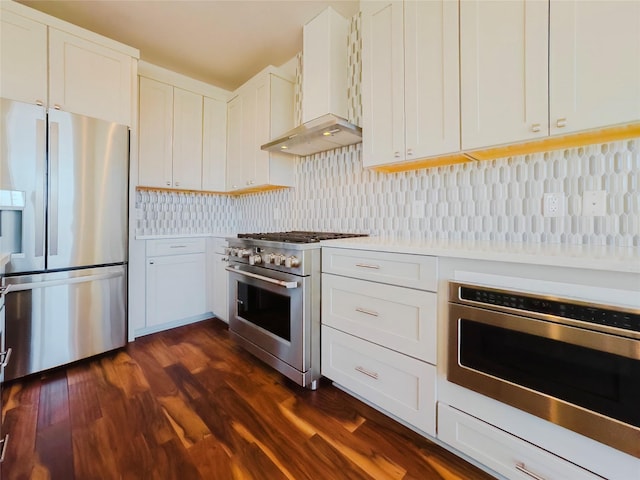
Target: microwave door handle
x,y
280,283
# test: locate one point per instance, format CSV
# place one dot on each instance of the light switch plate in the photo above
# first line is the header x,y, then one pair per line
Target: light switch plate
x,y
594,203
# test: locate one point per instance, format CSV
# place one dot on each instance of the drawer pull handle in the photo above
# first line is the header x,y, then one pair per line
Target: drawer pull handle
x,y
521,468
368,312
177,246
368,373
366,265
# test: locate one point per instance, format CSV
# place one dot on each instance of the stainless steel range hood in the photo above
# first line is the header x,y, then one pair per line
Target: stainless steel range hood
x,y
324,90
324,133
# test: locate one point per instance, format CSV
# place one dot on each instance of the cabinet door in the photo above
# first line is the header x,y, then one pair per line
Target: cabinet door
x,y
250,103
88,78
432,106
23,59
234,143
155,134
503,71
594,64
176,288
382,83
220,287
187,140
214,145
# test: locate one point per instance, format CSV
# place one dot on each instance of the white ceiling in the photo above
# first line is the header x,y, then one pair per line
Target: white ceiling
x,y
221,42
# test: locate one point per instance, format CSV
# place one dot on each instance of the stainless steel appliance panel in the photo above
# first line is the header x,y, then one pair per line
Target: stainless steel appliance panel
x,y
22,171
266,323
88,185
56,318
536,353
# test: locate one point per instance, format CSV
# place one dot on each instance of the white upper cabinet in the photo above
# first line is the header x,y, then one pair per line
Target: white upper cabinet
x,y
88,78
594,64
214,144
47,61
155,137
170,137
261,110
23,57
503,71
187,140
409,80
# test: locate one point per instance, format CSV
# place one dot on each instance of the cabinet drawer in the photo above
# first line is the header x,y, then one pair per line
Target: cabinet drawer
x,y
506,454
175,246
219,245
401,385
415,271
399,318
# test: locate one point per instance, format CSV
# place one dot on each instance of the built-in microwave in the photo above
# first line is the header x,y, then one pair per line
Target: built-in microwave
x,y
573,363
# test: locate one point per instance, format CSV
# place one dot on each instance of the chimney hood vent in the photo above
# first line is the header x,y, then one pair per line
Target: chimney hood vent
x,y
324,91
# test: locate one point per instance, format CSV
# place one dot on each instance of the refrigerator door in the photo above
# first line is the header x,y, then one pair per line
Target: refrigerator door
x,y
56,318
88,191
22,184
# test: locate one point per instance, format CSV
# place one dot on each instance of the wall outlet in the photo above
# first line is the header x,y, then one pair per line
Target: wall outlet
x,y
553,205
594,203
417,209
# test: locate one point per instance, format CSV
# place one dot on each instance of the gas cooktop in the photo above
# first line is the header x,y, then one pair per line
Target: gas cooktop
x,y
299,237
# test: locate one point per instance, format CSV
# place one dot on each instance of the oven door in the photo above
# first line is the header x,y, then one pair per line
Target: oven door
x,y
583,380
268,309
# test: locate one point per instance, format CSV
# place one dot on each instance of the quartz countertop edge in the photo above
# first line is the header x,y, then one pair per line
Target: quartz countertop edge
x,y
187,235
596,257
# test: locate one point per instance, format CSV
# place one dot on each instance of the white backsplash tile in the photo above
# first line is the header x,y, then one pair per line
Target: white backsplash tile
x,y
499,200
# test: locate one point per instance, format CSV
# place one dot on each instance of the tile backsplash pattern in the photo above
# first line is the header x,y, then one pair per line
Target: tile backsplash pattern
x,y
498,200
182,213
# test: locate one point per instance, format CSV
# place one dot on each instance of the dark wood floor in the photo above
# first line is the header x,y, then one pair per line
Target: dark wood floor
x,y
189,404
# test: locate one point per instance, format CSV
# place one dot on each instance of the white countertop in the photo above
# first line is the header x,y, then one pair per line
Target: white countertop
x,y
617,259
186,235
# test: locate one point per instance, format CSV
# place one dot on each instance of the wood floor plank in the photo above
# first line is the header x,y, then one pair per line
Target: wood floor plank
x,y
190,404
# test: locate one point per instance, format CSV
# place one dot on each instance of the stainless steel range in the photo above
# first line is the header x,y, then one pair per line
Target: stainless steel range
x,y
274,299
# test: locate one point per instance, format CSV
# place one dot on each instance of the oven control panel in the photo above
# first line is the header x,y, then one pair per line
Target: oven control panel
x,y
525,303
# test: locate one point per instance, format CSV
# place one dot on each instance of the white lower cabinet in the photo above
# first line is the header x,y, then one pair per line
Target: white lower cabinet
x,y
401,385
502,452
379,330
219,285
176,285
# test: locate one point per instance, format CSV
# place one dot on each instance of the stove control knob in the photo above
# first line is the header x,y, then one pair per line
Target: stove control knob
x,y
292,262
268,258
228,251
255,259
243,253
279,259
232,251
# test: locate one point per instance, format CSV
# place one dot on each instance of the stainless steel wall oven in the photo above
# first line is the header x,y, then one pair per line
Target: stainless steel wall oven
x,y
573,363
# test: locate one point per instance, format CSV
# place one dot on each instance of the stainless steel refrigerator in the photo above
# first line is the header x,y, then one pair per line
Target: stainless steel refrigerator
x,y
63,217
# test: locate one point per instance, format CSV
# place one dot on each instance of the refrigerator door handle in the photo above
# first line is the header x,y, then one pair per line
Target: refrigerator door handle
x,y
17,287
54,144
41,138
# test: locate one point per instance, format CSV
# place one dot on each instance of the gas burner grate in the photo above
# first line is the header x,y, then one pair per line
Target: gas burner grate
x,y
298,236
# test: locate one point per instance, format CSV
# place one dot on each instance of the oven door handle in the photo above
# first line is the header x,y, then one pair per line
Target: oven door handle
x,y
280,283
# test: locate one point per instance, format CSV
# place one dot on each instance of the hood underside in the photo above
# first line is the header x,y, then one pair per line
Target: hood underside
x,y
324,133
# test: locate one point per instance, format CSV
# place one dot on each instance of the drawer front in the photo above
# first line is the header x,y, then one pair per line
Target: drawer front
x,y
219,245
508,455
398,318
401,385
175,246
415,271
